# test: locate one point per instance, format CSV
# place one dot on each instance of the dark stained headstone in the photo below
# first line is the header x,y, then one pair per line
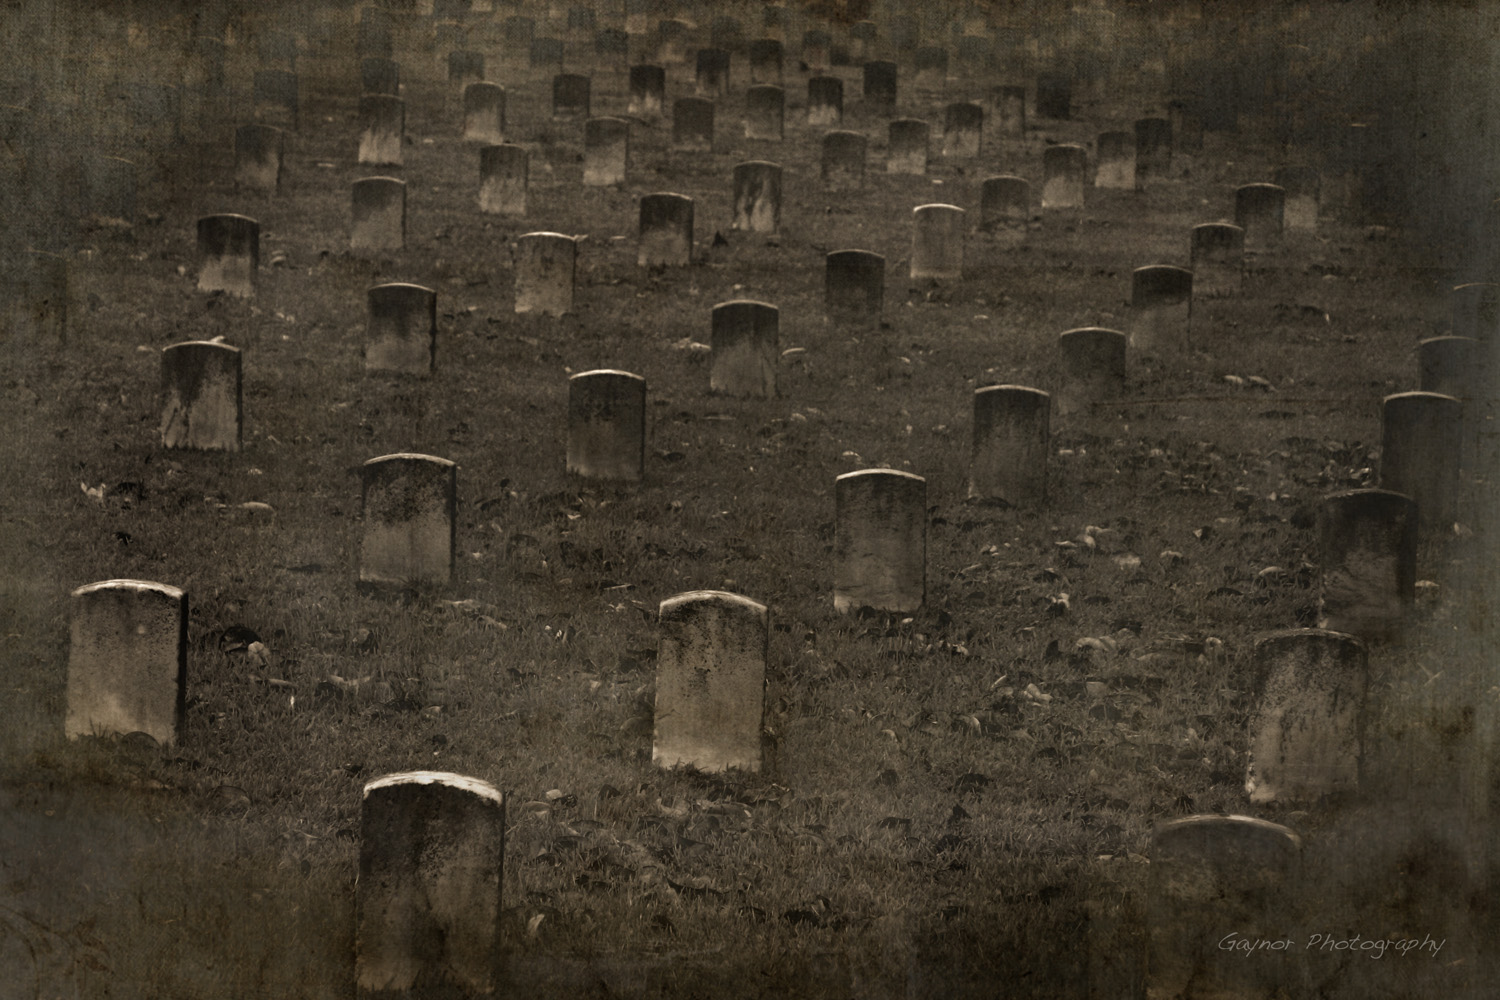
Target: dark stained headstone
x,y
257,157
401,329
607,425
1368,560
484,113
1161,301
379,214
765,112
648,85
712,73
504,173
963,125
671,42
931,64
825,101
757,197
880,85
127,660
570,95
465,66
1064,169
907,148
379,76
202,397
1054,96
854,287
612,43
545,267
745,349
765,61
1259,209
1450,365
693,124
228,254
382,130
1004,203
276,98
1115,169
1093,368
409,508
1217,254
843,160
666,230
880,541
606,151
817,49
1009,446
1010,110
937,243
1421,451
1153,148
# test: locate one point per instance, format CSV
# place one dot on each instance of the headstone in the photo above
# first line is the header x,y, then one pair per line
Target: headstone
x,y
379,214
401,329
275,97
817,46
937,243
864,37
379,76
1116,167
465,66
612,43
1010,110
976,54
854,287
410,505
1093,368
757,197
843,160
765,61
712,73
666,230
1161,303
606,151
427,904
671,43
1450,365
570,96
744,342
127,660
201,396
1368,555
607,425
257,157
880,85
1064,168
765,112
1011,439
1259,209
545,265
581,22
228,254
907,147
383,129
962,128
1218,259
693,124
931,63
1187,126
1004,203
880,541
1054,96
1476,311
503,175
648,85
484,113
1153,149
1307,734
710,682
773,21
545,54
518,32
1214,878
1421,450
825,101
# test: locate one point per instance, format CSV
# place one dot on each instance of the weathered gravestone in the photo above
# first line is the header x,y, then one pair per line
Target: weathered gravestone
x,y
1303,189
666,230
1421,449
401,329
1307,734
379,76
127,660
864,38
710,681
275,97
570,96
880,541
1214,879
465,66
503,175
201,396
484,113
648,87
1064,168
1093,363
711,78
906,151
1054,96
1259,209
545,54
607,425
1153,149
1450,365
825,101
410,504
817,46
612,46
963,125
931,65
937,243
1010,110
765,113
427,902
1475,311
1368,555
693,124
257,157
757,197
744,342
880,85
383,129
765,61
1161,304
379,214
843,160
228,254
606,151
854,287
1217,254
1116,167
1004,203
671,42
545,266
1008,449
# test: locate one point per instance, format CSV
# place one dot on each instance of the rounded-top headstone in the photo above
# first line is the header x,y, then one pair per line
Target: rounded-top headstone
x,y
745,348
666,230
607,425
409,504
1009,445
937,244
1259,209
1421,451
1064,168
127,660
1368,555
880,541
757,197
1093,362
228,254
202,396
854,286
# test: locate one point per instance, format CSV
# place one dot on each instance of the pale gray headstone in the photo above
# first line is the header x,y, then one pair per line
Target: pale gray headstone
x,y
401,329
545,267
607,425
382,130
484,113
880,541
648,86
745,348
1218,259
825,101
228,254
1064,169
1093,363
854,287
1116,167
765,113
409,507
843,160
1368,559
757,197
1011,439
201,396
379,214
907,151
503,177
1161,302
693,124
606,151
257,157
937,243
1004,203
666,230
127,660
1421,450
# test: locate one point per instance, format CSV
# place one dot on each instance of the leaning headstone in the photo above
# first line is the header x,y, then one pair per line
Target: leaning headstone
x,y
1054,96
1064,168
201,396
843,160
409,507
503,176
880,85
1153,148
710,682
1449,365
257,157
880,541
1004,203
765,113
228,254
1259,209
765,61
1307,734
937,243
1218,259
427,904
606,151
379,76
854,287
607,425
757,197
962,127
1008,449
1421,450
931,64
484,113
1161,302
666,230
907,148
465,66
1303,189
379,214
745,349
275,97
1116,167
1368,555
383,129
127,660
712,73
693,124
1093,367
545,266
1214,878
648,87
401,329
1010,110
825,101
570,95
1475,311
